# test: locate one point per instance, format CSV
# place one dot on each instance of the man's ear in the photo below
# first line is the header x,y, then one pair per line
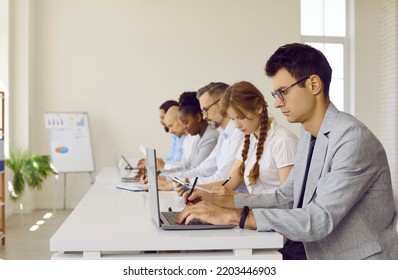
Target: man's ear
x,y
316,84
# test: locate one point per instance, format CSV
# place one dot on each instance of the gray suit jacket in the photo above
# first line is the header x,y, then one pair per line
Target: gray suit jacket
x,y
348,209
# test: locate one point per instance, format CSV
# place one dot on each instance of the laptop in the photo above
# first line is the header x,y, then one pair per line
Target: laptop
x,y
127,175
166,220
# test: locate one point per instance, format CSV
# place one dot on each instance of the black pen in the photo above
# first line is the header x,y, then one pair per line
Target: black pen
x,y
226,181
193,187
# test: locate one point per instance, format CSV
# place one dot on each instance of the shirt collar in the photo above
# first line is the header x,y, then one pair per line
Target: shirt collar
x,y
229,129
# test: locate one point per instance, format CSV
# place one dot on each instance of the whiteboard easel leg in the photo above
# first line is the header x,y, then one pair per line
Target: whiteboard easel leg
x,y
55,195
91,178
64,191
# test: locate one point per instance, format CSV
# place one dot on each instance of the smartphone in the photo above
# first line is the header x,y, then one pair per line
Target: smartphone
x,y
181,182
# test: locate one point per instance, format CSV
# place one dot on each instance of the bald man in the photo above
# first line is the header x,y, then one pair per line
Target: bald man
x,y
172,122
174,127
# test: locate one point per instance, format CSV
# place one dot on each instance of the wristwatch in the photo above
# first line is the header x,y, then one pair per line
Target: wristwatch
x,y
243,216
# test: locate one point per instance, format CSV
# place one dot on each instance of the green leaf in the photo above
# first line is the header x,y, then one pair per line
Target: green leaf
x,y
28,169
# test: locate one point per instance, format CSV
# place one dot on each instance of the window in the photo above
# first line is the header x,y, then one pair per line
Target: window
x,y
324,26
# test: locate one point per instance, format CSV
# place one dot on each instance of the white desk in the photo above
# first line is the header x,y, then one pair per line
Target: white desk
x,y
111,223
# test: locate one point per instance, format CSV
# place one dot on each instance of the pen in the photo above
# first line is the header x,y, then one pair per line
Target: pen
x,y
193,187
226,181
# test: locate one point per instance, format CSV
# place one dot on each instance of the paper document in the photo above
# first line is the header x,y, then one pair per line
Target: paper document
x,y
135,187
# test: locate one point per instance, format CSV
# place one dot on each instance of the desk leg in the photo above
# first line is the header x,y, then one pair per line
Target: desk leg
x,y
243,253
92,255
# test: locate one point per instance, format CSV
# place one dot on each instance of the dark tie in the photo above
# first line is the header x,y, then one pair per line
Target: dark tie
x,y
307,169
294,250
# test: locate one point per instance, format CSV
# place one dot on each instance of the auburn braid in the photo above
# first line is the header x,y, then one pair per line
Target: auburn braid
x,y
245,151
255,171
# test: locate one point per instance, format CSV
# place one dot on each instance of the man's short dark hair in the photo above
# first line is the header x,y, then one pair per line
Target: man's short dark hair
x,y
167,104
300,60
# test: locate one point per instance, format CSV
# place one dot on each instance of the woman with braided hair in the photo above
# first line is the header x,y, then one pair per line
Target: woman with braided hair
x,y
267,153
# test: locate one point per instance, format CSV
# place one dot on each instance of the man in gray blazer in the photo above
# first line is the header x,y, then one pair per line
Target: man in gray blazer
x,y
338,198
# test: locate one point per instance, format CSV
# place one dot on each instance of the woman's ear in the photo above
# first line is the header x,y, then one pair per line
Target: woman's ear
x,y
199,117
259,109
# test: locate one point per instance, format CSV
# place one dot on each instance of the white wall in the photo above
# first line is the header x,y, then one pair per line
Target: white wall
x,y
4,61
4,50
119,60
367,63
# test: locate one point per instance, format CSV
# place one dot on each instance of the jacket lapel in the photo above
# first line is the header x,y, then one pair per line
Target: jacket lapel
x,y
318,157
317,163
300,165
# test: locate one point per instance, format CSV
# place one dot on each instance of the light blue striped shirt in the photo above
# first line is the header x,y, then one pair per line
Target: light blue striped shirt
x,y
175,149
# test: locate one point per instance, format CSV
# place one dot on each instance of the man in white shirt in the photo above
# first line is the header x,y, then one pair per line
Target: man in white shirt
x,y
218,164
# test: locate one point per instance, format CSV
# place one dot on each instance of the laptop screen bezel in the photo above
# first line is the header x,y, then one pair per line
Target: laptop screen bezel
x,y
153,186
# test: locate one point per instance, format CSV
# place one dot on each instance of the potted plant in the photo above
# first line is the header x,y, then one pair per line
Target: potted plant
x,y
29,169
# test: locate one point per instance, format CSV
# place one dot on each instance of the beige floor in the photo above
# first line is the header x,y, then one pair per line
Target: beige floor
x,y
23,244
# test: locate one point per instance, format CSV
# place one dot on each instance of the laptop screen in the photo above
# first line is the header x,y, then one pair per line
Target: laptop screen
x,y
154,201
153,185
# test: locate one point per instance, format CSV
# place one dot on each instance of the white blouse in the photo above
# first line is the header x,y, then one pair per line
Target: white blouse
x,y
279,151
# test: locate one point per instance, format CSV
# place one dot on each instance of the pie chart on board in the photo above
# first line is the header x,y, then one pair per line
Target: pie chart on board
x,y
61,150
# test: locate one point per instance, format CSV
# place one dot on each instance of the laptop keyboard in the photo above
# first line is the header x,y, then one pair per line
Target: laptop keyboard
x,y
171,218
129,180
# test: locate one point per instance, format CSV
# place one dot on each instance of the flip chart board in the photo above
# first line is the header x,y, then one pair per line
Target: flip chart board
x,y
70,142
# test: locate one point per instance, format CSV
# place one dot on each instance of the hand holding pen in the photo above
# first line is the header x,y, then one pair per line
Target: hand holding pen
x,y
226,181
194,197
193,187
222,190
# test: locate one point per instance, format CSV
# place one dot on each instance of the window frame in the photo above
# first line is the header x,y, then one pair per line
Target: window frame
x,y
345,41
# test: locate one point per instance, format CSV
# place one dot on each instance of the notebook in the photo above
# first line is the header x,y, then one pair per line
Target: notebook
x,y
125,175
160,218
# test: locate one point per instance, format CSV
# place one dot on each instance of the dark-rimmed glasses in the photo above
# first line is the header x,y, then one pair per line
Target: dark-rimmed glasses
x,y
282,91
206,108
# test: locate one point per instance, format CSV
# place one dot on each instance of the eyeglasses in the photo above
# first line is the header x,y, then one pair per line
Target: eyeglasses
x,y
281,92
206,109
